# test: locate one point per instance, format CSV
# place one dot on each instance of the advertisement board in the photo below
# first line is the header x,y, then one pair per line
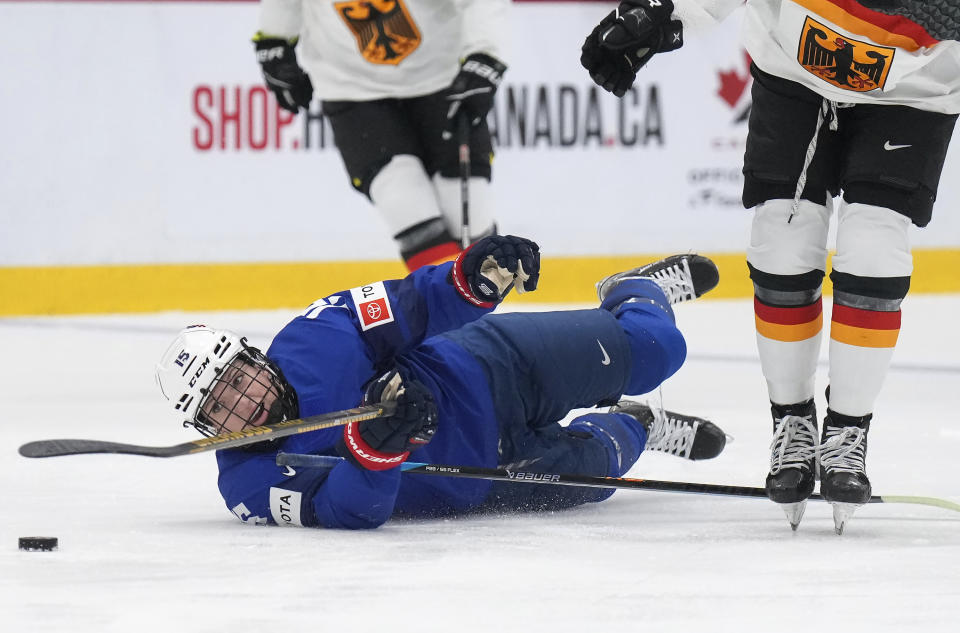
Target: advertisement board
x,y
140,134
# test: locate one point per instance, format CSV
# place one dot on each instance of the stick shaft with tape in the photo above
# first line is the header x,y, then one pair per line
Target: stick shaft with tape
x,y
56,448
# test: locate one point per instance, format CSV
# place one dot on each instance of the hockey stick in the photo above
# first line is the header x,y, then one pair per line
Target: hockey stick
x,y
55,448
463,140
505,474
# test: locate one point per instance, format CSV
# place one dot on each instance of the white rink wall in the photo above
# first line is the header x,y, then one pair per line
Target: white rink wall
x,y
140,133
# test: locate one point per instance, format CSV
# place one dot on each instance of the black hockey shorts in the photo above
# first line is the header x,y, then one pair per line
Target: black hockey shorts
x,y
884,155
370,133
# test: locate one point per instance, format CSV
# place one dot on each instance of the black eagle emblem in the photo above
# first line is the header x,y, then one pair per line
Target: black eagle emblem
x,y
384,30
842,61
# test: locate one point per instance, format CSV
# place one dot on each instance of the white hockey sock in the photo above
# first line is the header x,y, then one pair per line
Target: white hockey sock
x,y
479,205
403,194
857,371
788,340
873,246
789,323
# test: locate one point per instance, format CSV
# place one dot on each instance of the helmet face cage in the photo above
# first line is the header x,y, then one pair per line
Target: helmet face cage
x,y
249,391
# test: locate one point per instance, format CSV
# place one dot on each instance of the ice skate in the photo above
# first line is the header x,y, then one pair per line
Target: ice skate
x,y
844,481
793,458
681,277
842,513
685,436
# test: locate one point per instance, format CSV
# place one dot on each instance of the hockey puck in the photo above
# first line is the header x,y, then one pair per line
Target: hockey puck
x,y
38,543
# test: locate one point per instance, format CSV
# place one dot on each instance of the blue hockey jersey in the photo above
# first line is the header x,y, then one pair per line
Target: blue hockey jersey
x,y
328,354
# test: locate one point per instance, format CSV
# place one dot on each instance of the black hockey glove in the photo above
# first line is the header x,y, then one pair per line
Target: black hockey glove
x,y
626,39
278,62
384,443
485,272
472,90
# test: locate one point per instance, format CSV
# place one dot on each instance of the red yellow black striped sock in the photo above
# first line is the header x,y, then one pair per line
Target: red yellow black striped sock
x,y
864,328
861,347
788,340
788,324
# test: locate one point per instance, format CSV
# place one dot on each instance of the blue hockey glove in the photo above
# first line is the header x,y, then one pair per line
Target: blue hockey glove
x,y
485,272
384,443
282,73
472,90
626,39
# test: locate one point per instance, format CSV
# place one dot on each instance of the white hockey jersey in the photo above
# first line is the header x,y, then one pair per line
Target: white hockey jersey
x,y
891,51
360,50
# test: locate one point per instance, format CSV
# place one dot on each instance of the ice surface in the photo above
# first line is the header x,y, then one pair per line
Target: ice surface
x,y
147,544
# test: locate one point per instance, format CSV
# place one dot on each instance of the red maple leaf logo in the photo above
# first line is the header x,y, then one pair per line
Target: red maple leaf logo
x,y
733,83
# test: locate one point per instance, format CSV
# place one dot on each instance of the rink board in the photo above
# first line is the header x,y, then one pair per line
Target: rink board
x,y
143,158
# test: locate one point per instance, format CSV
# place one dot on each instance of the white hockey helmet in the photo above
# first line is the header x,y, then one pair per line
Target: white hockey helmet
x,y
194,367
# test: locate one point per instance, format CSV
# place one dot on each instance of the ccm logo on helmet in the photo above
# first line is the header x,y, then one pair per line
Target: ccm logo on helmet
x,y
196,374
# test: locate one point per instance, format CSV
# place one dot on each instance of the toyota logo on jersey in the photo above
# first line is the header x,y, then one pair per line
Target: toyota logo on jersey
x,y
373,305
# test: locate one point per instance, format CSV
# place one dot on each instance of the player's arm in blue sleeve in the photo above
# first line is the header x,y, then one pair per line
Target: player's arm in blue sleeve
x,y
325,357
359,493
346,496
355,498
258,491
436,299
384,318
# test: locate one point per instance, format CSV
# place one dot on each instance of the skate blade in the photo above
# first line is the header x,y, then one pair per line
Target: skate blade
x,y
842,513
794,512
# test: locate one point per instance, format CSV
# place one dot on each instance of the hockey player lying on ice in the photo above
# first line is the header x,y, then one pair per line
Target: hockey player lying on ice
x,y
471,388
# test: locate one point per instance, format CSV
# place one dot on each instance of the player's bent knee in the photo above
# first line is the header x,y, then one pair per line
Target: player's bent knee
x,y
479,201
657,350
786,243
873,241
404,194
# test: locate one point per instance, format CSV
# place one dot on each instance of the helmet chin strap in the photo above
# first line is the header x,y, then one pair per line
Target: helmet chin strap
x,y
276,412
200,425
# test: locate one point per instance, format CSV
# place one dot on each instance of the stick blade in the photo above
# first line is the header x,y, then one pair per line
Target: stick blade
x,y
56,448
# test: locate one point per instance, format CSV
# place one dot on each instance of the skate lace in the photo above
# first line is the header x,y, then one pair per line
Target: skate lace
x,y
671,435
676,281
794,443
843,450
